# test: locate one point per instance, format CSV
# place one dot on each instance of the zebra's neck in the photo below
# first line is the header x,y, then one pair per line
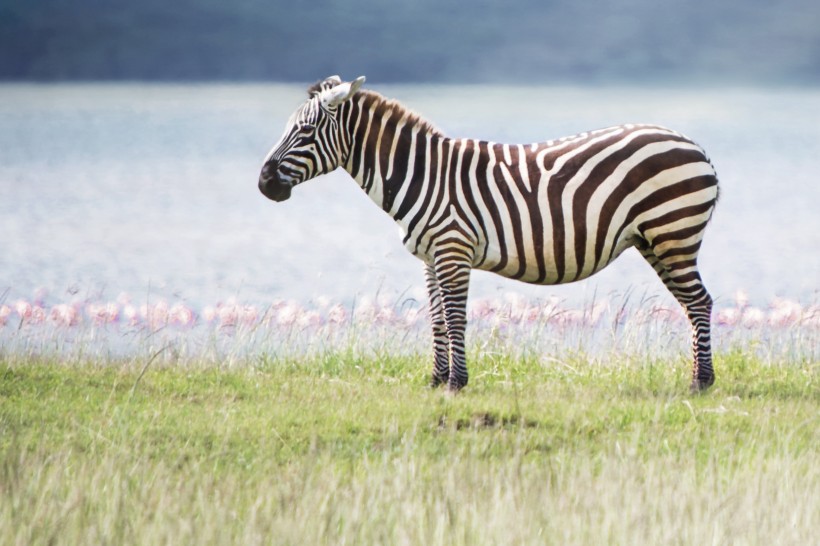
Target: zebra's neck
x,y
388,147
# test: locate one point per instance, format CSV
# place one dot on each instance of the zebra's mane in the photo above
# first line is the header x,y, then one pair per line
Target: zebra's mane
x,y
398,111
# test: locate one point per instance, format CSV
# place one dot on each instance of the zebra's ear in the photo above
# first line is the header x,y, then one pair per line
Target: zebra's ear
x,y
337,95
332,81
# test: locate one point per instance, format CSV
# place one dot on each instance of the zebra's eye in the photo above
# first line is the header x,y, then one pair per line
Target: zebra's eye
x,y
306,129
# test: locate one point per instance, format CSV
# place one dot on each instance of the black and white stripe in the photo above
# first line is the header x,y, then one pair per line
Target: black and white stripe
x,y
544,213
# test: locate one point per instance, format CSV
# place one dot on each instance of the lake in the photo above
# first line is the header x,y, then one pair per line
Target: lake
x,y
151,190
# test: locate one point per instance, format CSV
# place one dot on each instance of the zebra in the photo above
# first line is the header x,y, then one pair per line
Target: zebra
x,y
544,213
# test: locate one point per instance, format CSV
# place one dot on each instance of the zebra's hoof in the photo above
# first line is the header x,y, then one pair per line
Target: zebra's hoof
x,y
454,386
700,385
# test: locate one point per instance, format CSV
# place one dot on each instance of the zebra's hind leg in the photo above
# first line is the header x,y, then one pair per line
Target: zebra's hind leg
x,y
441,345
683,280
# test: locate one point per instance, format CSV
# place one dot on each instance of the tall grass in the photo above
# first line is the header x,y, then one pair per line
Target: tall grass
x,y
407,496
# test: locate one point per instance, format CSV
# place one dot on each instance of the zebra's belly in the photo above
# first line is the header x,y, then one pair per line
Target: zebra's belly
x,y
544,265
527,261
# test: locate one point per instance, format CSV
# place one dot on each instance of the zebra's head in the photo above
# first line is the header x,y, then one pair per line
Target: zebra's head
x,y
311,144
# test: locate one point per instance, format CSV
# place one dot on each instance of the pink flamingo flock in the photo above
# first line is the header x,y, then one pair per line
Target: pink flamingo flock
x,y
508,311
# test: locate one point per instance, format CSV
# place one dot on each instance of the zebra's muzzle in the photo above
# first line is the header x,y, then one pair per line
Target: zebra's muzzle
x,y
271,186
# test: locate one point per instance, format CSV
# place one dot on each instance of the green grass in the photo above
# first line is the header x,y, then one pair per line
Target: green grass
x,y
351,448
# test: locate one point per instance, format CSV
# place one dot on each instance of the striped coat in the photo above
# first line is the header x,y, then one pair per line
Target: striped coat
x,y
544,213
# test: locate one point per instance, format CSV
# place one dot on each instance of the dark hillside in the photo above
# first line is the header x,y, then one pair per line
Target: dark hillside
x,y
529,41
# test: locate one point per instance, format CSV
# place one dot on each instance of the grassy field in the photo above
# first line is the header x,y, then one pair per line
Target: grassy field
x,y
351,447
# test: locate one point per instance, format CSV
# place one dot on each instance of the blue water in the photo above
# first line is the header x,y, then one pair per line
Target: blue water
x,y
151,190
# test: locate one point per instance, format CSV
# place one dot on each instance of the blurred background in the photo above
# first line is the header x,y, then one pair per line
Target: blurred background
x,y
483,41
132,133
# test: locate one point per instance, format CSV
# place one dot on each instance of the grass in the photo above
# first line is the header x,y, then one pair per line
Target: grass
x,y
344,447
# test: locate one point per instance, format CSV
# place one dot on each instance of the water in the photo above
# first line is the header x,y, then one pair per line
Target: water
x,y
151,190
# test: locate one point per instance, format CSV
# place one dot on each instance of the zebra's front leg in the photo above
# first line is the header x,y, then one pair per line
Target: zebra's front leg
x,y
441,344
453,274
